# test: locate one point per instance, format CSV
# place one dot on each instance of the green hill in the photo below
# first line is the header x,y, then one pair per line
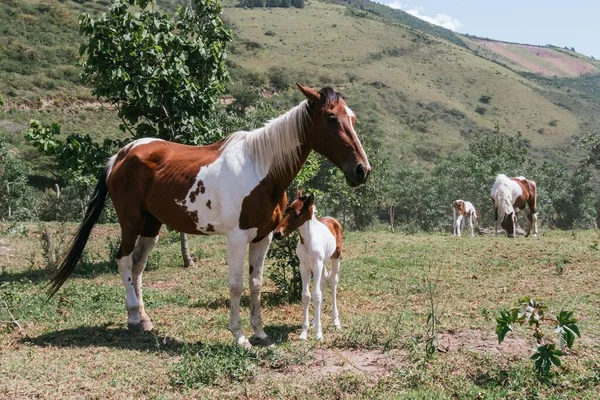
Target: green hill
x,y
418,89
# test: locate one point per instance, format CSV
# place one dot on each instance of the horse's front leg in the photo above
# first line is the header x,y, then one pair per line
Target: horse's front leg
x,y
318,296
258,253
305,270
236,250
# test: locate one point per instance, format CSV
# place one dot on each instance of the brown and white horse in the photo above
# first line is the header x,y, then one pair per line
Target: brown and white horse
x,y
235,187
320,240
511,196
463,209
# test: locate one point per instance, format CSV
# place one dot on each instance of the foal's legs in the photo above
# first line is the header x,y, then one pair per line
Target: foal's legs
x,y
256,258
143,247
458,224
305,271
236,250
333,282
318,296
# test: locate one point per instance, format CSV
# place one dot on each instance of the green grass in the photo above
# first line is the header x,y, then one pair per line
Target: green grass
x,y
380,352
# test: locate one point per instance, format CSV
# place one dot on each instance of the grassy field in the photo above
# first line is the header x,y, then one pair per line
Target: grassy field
x,y
77,344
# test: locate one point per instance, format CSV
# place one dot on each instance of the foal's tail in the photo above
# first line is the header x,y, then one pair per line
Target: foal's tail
x,y
81,237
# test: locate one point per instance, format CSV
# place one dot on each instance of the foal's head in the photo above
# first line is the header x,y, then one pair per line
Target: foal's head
x,y
333,135
509,224
296,214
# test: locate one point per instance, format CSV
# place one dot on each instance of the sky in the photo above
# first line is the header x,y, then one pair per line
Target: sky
x,y
574,24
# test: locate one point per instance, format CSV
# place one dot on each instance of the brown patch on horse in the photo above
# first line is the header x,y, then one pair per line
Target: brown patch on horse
x,y
301,239
210,228
251,269
141,176
336,230
459,206
208,204
528,194
296,214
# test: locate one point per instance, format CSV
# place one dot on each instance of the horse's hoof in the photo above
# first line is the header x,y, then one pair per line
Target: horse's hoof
x,y
244,343
264,342
147,325
135,328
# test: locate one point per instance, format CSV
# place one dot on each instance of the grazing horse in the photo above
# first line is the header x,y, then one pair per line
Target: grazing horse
x,y
235,187
461,209
511,196
320,240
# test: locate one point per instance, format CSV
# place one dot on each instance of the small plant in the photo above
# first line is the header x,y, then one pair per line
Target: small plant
x,y
207,365
480,110
269,33
285,272
554,122
485,99
533,313
51,249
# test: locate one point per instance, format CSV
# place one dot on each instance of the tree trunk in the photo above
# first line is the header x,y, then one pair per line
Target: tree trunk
x,y
8,200
57,189
185,251
391,213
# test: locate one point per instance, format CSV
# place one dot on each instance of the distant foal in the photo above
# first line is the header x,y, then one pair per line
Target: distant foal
x,y
235,187
320,240
511,196
460,209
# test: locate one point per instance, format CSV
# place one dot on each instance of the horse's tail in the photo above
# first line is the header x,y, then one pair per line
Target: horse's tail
x,y
78,242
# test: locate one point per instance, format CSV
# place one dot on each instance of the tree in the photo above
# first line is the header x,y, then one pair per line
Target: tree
x,y
163,74
14,188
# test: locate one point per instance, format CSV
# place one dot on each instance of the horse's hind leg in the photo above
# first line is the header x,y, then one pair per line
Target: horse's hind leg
x,y
333,282
143,247
129,236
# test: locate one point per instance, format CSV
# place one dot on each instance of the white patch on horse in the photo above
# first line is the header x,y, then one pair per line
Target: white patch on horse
x,y
246,159
351,114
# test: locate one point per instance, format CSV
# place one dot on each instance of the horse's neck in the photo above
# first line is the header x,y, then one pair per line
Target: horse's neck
x,y
309,230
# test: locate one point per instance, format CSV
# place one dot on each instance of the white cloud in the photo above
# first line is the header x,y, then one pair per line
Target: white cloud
x,y
443,20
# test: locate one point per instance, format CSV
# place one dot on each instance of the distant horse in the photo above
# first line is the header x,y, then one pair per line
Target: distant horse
x,y
235,187
320,240
463,209
511,196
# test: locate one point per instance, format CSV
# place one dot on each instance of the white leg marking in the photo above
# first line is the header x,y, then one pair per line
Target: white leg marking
x,y
131,300
236,250
534,218
140,254
256,259
458,224
318,297
305,274
333,283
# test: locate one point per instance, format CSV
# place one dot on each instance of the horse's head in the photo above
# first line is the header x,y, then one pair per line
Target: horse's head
x,y
296,214
509,224
333,135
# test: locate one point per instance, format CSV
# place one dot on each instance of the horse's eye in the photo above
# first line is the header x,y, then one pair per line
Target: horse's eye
x,y
331,120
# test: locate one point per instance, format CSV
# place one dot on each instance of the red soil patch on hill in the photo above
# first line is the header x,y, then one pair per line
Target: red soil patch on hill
x,y
566,64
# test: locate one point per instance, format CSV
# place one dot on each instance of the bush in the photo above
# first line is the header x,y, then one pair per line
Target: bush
x,y
480,110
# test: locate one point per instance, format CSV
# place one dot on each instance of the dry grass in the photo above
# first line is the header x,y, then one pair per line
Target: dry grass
x,y
77,345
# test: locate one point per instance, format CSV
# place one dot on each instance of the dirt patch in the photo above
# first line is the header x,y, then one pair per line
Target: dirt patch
x,y
539,58
369,362
484,342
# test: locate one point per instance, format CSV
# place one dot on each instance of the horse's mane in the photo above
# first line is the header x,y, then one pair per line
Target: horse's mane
x,y
502,194
276,146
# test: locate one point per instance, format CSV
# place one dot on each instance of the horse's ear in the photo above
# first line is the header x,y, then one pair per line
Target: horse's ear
x,y
311,94
311,199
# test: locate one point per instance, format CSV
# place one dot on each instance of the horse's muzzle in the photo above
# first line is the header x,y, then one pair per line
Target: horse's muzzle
x,y
358,176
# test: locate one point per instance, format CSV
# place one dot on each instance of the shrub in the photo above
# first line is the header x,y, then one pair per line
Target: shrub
x,y
480,110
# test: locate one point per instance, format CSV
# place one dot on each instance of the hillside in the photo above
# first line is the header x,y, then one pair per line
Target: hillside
x,y
417,89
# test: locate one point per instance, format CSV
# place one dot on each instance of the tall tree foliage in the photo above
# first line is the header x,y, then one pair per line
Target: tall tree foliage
x,y
14,188
163,74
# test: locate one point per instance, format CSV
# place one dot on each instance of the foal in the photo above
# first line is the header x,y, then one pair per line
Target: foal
x,y
320,240
460,209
